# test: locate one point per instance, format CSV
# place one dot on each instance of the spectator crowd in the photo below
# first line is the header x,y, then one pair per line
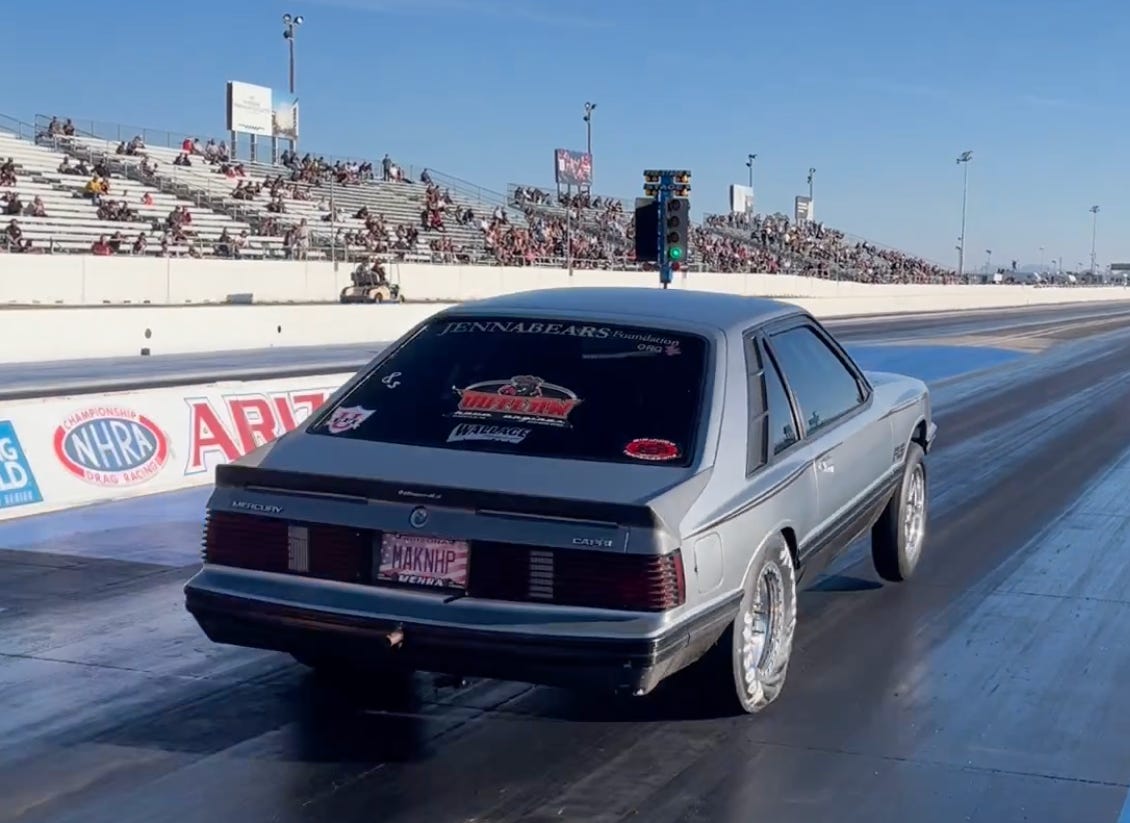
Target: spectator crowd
x,y
533,227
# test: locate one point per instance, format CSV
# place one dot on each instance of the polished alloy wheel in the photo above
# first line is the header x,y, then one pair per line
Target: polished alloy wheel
x,y
914,516
761,629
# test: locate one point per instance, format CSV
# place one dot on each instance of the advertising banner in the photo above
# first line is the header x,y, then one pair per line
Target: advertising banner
x,y
741,199
802,209
284,115
249,109
572,168
18,486
61,452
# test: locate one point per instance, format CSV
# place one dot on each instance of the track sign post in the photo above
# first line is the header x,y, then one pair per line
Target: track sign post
x,y
669,191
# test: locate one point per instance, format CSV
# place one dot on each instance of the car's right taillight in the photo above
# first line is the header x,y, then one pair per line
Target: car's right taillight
x,y
595,579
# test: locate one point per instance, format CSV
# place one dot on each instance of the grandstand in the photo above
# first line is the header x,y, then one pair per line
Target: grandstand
x,y
191,198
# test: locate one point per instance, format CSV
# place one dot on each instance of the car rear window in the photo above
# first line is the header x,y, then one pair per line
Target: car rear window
x,y
533,386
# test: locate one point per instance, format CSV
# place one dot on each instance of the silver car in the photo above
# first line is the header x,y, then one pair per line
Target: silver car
x,y
586,487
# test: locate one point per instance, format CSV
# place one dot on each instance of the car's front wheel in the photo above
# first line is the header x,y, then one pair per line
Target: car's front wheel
x,y
750,662
898,536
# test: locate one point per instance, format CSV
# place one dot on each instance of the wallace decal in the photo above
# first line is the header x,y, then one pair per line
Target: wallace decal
x,y
523,398
487,432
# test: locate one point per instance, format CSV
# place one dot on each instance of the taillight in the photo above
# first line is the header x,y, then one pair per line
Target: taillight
x,y
265,544
606,580
245,541
497,571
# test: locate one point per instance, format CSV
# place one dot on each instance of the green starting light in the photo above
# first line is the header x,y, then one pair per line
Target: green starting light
x,y
675,253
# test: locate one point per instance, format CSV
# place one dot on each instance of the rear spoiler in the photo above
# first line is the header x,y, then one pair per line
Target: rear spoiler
x,y
502,503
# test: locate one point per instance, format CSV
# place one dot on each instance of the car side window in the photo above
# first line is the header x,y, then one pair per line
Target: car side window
x,y
782,423
823,386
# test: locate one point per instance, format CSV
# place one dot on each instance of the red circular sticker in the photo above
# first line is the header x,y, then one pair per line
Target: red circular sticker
x,y
648,448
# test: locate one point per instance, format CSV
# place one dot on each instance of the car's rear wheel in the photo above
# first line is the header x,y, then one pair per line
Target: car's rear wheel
x,y
750,662
899,535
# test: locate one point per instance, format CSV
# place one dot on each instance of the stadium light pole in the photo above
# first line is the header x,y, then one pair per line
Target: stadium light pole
x,y
749,163
291,23
1094,233
963,161
589,109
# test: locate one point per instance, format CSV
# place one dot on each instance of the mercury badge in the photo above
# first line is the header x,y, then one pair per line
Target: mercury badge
x,y
418,517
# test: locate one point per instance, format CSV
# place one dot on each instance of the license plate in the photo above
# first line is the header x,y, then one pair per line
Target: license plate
x,y
415,560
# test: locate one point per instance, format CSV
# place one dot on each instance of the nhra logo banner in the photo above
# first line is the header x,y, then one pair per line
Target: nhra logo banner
x,y
126,444
18,486
111,446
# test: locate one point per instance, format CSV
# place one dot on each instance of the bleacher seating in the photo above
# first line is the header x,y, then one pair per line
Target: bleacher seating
x,y
284,209
71,222
400,204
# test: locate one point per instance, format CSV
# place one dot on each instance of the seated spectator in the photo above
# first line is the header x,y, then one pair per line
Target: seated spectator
x,y
115,242
146,199
240,243
14,237
243,191
100,247
223,246
95,188
8,172
36,208
13,205
141,243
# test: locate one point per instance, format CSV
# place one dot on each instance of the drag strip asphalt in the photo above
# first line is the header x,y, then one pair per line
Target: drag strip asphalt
x,y
988,688
21,380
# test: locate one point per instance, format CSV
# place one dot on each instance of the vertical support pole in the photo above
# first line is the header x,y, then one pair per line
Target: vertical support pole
x,y
666,182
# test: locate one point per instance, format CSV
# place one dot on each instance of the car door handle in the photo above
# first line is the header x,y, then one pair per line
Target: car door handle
x,y
825,464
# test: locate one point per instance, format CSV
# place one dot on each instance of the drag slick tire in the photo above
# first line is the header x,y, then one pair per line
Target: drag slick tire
x,y
748,665
898,536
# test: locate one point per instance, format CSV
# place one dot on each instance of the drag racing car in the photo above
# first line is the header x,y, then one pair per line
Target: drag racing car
x,y
585,488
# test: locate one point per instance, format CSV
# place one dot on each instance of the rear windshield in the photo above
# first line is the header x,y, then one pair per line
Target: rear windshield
x,y
537,387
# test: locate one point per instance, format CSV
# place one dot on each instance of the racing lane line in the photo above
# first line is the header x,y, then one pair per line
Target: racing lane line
x,y
584,715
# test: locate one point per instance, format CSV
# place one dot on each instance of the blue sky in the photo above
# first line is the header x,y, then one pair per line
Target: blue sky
x,y
880,97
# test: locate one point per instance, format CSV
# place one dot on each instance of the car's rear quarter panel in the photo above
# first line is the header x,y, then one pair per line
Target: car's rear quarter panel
x,y
728,525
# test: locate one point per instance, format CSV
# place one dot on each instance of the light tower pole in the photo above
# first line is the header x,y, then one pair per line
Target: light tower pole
x,y
750,160
291,22
1094,234
963,161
